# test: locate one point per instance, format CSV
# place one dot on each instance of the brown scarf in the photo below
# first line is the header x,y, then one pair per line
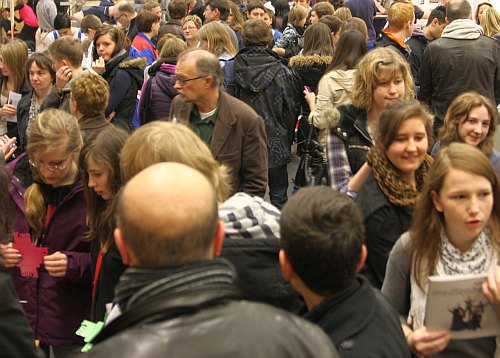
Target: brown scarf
x,y
387,176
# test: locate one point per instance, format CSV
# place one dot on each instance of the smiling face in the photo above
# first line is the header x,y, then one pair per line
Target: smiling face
x,y
98,179
388,89
408,149
466,202
105,47
474,129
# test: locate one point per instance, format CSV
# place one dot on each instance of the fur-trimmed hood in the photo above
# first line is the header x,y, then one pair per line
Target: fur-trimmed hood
x,y
310,61
139,62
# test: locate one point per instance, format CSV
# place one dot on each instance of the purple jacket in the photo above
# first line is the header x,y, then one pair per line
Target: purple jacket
x,y
162,91
55,307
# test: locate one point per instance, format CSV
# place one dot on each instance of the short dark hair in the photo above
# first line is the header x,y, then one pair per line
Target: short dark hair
x,y
458,9
42,61
322,234
62,21
220,5
323,8
177,9
256,32
90,22
255,4
145,20
439,13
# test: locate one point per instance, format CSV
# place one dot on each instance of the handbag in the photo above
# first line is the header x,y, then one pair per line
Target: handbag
x,y
312,166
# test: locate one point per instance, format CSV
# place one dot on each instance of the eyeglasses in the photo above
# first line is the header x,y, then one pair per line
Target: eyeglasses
x,y
189,28
119,16
51,166
186,80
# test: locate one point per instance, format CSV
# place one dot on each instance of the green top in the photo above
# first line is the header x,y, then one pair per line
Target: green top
x,y
204,128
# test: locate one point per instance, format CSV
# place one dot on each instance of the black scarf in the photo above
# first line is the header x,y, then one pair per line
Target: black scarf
x,y
141,283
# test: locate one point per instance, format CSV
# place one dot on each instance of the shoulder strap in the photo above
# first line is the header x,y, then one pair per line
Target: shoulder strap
x,y
145,112
229,82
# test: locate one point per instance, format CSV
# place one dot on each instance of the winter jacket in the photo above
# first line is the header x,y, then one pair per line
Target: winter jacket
x,y
24,90
334,89
55,307
92,126
351,129
384,223
361,323
162,90
143,47
292,40
461,60
417,43
391,41
205,320
264,84
123,72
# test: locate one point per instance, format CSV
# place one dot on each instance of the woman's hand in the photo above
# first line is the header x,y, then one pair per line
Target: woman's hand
x,y
491,289
7,146
10,255
9,110
310,98
426,342
56,264
98,65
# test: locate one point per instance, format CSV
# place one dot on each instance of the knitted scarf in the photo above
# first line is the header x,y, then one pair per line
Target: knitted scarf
x,y
140,283
390,181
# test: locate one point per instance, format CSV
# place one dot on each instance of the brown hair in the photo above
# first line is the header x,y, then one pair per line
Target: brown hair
x,y
458,113
428,223
91,94
256,33
116,35
145,20
15,55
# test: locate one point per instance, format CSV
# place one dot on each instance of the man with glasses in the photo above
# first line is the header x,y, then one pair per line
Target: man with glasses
x,y
125,15
233,130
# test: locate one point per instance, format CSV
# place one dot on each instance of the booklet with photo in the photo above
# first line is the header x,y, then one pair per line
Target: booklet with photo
x,y
457,303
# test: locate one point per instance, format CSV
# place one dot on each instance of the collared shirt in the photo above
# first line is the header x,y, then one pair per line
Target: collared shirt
x,y
204,128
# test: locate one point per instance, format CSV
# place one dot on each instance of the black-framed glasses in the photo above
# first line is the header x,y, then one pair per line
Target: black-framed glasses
x,y
186,80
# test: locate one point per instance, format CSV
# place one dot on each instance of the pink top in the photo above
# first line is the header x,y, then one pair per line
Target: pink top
x,y
28,16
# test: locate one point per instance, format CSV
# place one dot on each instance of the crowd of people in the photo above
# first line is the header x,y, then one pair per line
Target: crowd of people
x,y
147,151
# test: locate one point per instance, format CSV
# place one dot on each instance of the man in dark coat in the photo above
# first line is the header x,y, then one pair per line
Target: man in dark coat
x,y
177,299
462,60
265,84
322,236
233,131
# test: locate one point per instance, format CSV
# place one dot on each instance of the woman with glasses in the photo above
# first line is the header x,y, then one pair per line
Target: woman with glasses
x,y
190,26
50,213
123,74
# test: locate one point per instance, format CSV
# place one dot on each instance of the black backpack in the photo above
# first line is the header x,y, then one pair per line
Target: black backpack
x,y
145,112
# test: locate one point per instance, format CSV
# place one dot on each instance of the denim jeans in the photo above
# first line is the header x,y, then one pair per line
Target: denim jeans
x,y
278,185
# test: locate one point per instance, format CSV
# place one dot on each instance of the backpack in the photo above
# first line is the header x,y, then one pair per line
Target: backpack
x,y
229,85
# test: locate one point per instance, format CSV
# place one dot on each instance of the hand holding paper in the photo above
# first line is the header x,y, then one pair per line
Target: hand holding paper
x,y
29,257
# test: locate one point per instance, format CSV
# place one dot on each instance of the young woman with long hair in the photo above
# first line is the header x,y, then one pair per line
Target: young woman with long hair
x,y
102,180
13,58
51,212
455,231
382,76
123,74
399,163
215,38
472,119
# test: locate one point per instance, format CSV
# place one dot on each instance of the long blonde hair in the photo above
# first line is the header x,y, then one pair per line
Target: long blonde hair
x,y
53,129
218,38
490,21
15,55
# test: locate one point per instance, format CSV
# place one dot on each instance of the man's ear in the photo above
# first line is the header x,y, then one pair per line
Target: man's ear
x,y
447,22
362,258
122,246
218,239
435,22
286,267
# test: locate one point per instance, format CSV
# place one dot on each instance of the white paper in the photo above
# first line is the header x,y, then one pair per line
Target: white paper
x,y
14,99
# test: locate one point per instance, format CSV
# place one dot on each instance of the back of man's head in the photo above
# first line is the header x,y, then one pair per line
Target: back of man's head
x,y
68,49
167,215
439,13
256,32
125,7
90,22
399,15
322,235
177,9
458,10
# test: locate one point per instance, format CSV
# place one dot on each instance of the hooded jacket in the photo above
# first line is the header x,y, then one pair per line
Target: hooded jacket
x,y
417,43
461,60
263,83
124,107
